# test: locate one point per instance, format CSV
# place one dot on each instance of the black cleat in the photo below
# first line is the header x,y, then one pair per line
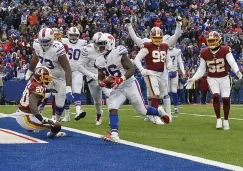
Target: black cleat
x,y
81,115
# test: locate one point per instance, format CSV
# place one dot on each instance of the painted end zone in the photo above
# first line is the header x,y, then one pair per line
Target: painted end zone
x,y
11,137
81,150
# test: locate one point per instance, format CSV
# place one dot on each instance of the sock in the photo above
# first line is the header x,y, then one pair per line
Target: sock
x,y
53,105
167,104
149,101
114,119
152,111
98,107
155,102
59,111
216,105
77,102
226,107
43,105
175,99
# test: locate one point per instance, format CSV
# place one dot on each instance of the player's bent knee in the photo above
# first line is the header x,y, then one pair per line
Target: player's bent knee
x,y
226,101
216,98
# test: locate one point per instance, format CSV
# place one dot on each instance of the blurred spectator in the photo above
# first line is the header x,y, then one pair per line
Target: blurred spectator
x,y
203,87
8,71
237,85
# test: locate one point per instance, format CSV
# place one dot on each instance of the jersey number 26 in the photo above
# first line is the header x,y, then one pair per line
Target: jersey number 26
x,y
158,56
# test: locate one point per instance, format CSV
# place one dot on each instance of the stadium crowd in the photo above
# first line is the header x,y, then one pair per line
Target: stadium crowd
x,y
20,22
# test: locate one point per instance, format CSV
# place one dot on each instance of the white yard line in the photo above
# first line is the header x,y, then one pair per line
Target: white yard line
x,y
162,151
211,116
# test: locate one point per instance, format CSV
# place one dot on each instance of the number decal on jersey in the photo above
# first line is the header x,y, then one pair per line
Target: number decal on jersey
x,y
25,98
173,59
112,70
48,61
55,45
74,54
216,65
158,56
39,89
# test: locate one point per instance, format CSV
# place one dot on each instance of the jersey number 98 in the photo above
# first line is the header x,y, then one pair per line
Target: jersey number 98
x,y
158,56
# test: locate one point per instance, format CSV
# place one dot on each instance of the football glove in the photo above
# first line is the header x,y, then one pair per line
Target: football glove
x,y
69,95
239,75
117,81
102,83
127,20
47,121
189,83
173,74
179,19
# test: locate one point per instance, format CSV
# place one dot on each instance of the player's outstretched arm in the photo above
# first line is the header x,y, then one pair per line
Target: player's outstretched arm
x,y
181,65
128,65
132,33
34,61
200,72
230,59
137,61
173,39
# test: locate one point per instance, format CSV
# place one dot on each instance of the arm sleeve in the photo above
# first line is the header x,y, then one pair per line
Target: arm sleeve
x,y
82,63
172,40
168,62
140,56
133,35
201,70
181,65
230,59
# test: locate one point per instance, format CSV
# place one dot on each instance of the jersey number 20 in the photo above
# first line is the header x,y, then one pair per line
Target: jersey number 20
x,y
158,56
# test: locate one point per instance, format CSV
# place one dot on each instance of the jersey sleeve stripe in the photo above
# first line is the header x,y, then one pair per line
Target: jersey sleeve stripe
x,y
60,49
123,51
61,52
84,52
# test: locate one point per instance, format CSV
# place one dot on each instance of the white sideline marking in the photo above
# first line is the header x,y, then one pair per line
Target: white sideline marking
x,y
167,152
200,115
162,151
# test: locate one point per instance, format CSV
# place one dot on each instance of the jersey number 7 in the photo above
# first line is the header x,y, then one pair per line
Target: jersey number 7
x,y
158,56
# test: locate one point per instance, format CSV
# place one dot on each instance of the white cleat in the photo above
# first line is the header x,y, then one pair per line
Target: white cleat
x,y
59,134
226,125
219,124
111,137
149,118
66,119
158,121
53,117
98,120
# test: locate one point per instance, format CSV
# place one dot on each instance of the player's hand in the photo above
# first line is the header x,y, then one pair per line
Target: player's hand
x,y
47,121
51,90
145,72
179,19
173,74
239,75
189,83
127,20
69,95
94,77
102,83
116,82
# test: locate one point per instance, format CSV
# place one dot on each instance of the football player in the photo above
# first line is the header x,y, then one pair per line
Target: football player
x,y
75,46
175,55
216,59
28,115
155,55
170,40
86,65
115,62
52,54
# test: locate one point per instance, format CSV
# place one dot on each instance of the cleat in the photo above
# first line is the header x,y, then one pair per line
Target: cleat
x,y
79,116
34,131
226,125
111,137
146,119
157,120
98,120
66,119
149,118
219,124
176,111
59,134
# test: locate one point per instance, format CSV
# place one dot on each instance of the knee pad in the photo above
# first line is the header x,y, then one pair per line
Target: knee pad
x,y
216,98
226,101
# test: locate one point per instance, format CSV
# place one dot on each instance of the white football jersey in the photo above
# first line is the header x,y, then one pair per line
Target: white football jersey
x,y
50,58
111,64
74,52
87,60
175,55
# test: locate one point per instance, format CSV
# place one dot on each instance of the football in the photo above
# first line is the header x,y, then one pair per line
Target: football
x,y
56,128
108,81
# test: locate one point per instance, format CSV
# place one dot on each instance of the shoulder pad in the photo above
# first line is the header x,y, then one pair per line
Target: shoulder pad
x,y
122,50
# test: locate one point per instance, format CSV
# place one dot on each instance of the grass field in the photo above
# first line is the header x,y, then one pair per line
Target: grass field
x,y
191,132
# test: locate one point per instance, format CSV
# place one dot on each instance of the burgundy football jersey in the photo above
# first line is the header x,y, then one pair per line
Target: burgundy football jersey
x,y
217,65
31,87
155,59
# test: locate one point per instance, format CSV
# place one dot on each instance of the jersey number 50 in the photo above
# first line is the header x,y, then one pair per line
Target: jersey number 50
x,y
74,54
216,66
158,56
